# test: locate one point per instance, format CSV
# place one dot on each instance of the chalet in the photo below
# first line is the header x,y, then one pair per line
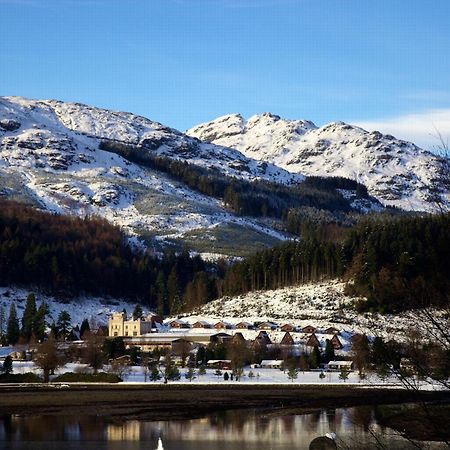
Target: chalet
x,y
238,338
10,351
340,365
222,325
309,329
177,323
287,339
221,338
267,326
335,341
287,327
244,326
331,330
312,341
272,363
201,324
263,337
222,364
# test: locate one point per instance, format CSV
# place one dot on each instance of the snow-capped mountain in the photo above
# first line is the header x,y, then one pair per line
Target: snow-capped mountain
x,y
50,157
396,172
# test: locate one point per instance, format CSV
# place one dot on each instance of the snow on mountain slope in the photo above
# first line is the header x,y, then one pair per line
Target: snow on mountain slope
x,y
321,304
50,157
396,172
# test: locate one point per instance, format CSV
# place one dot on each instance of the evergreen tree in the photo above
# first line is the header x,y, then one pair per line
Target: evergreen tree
x,y
85,327
314,358
40,324
7,365
160,288
29,316
329,351
63,324
2,325
12,329
173,295
137,312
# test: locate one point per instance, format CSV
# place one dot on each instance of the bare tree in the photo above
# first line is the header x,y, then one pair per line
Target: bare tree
x,y
47,357
93,352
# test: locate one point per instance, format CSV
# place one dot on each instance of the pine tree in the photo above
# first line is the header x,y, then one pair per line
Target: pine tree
x,y
40,323
160,288
12,329
84,327
29,316
173,295
329,351
137,312
63,324
7,365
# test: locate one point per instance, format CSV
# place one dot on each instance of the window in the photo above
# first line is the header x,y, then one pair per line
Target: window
x,y
134,333
115,333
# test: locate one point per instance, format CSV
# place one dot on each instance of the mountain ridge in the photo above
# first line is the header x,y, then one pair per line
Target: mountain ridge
x,y
396,172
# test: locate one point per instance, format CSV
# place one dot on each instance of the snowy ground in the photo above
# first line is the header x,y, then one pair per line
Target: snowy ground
x,y
321,305
261,376
92,308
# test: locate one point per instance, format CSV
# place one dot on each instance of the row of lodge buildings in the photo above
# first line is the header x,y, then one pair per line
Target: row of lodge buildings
x,y
150,333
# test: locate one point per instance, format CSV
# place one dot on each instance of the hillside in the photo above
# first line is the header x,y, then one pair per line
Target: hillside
x,y
396,172
50,157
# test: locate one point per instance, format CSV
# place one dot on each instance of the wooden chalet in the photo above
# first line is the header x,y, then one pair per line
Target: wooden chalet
x,y
221,325
331,330
335,341
220,338
244,326
238,338
267,326
309,329
287,327
177,323
312,341
201,324
287,339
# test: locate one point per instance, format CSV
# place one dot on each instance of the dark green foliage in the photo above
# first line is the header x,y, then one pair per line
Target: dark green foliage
x,y
69,256
400,263
288,264
329,352
314,358
29,316
154,374
63,324
137,312
135,354
39,323
114,347
12,327
102,377
7,367
28,377
256,198
85,327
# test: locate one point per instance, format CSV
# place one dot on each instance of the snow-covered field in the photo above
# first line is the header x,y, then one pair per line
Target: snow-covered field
x,y
260,376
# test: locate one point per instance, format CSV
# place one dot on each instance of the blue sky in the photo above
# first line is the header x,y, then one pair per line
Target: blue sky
x,y
383,63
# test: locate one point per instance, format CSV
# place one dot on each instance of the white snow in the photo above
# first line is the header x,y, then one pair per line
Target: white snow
x,y
396,172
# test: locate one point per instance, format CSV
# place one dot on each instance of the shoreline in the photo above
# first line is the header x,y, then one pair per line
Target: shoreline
x,y
181,401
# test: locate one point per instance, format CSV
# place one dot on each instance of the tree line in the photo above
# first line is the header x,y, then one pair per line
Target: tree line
x,y
69,256
256,198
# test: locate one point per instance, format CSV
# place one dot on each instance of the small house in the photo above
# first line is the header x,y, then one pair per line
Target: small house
x,y
287,327
309,329
312,341
267,326
287,339
244,326
340,365
201,324
177,323
222,364
272,363
222,325
331,330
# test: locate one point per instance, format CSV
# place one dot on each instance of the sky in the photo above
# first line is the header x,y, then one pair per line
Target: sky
x,y
381,64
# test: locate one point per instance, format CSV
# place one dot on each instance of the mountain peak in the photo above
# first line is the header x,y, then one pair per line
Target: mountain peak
x,y
396,172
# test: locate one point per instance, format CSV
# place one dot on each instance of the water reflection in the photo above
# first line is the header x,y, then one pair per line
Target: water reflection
x,y
243,430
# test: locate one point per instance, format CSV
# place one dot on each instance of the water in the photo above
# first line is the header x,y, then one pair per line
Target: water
x,y
231,430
